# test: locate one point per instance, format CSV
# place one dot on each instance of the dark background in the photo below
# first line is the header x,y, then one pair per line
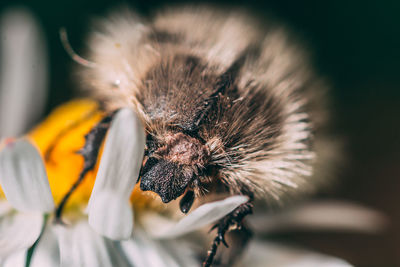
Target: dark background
x,y
355,46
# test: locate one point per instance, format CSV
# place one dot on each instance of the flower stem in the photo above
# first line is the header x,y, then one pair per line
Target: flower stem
x,y
31,250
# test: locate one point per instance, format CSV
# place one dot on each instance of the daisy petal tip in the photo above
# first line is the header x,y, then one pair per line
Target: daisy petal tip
x,y
202,216
111,216
23,177
18,231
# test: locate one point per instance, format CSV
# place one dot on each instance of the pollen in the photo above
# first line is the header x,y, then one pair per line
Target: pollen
x,y
58,138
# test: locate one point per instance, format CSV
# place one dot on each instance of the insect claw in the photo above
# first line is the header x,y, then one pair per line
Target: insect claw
x,y
234,218
212,228
221,237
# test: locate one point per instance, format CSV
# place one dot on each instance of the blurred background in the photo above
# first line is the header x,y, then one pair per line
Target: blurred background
x,y
356,47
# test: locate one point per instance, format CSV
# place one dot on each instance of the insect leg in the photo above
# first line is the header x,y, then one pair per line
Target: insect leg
x,y
237,240
234,218
89,152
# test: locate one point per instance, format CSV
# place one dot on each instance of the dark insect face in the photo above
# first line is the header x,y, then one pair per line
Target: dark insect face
x,y
171,170
165,178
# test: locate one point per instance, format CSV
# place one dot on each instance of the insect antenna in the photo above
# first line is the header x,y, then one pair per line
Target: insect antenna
x,y
75,57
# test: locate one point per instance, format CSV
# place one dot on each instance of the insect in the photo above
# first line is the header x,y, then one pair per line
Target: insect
x,y
230,105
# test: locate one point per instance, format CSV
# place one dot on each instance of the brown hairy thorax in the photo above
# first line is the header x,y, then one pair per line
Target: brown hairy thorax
x,y
184,149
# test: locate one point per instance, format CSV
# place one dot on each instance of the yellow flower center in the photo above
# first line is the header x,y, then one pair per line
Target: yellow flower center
x,y
58,139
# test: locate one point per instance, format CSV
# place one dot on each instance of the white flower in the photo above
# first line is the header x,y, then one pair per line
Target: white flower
x,y
24,182
21,168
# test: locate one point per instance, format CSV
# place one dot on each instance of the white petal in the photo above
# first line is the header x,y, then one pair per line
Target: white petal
x,y
155,224
23,76
80,246
18,231
263,254
117,221
46,253
202,216
16,259
5,207
182,252
23,178
118,172
141,251
323,215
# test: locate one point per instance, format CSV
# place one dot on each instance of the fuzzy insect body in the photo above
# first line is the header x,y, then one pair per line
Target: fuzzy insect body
x,y
229,104
226,101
